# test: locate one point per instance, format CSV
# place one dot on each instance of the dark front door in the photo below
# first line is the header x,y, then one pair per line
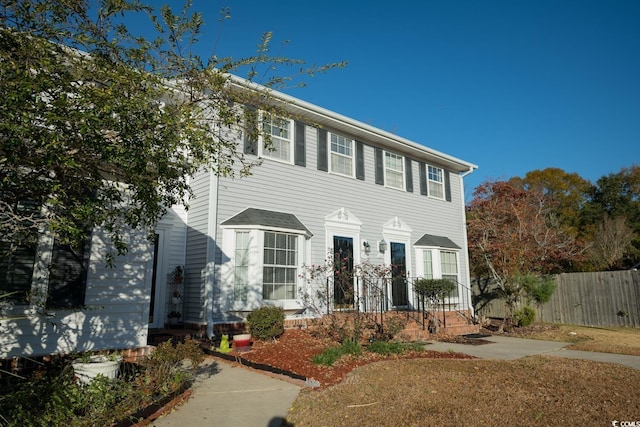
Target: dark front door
x,y
399,294
343,296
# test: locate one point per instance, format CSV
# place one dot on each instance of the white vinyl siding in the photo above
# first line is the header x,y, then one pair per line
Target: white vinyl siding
x,y
435,178
280,270
394,170
342,155
280,133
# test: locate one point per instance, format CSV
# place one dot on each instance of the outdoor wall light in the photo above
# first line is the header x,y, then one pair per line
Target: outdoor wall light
x,y
382,246
366,246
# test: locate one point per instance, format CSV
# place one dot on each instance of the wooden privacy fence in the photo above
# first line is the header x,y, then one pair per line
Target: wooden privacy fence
x,y
608,298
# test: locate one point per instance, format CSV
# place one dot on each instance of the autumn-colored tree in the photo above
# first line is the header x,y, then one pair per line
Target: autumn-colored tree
x,y
514,232
568,192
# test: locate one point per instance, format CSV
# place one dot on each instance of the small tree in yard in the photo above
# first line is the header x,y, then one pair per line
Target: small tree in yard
x,y
514,239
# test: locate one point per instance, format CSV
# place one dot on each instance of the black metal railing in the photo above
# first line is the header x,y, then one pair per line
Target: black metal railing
x,y
376,296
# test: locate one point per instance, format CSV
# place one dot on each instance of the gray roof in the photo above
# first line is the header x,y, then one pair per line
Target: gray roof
x,y
264,218
437,241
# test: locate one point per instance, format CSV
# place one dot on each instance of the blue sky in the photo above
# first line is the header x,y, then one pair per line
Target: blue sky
x,y
511,86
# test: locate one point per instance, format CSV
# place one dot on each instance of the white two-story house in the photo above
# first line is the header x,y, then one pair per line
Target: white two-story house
x,y
330,184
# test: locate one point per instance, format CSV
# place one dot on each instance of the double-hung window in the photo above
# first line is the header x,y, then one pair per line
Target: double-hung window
x,y
280,269
449,269
277,141
394,170
342,155
435,179
241,269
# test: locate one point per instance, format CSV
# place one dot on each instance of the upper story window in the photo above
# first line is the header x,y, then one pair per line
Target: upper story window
x,y
394,170
342,155
278,140
435,178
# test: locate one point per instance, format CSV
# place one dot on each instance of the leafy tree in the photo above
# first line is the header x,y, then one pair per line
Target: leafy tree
x,y
514,235
102,127
568,191
613,206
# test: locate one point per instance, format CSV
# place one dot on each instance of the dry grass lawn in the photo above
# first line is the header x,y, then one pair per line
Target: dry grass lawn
x,y
533,391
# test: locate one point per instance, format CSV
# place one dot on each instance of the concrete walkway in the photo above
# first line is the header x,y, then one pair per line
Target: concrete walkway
x,y
508,348
226,394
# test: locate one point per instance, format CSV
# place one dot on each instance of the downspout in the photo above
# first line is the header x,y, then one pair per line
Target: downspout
x,y
210,267
466,242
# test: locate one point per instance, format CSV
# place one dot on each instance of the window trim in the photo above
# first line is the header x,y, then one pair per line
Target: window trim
x,y
330,154
401,160
286,267
267,154
435,182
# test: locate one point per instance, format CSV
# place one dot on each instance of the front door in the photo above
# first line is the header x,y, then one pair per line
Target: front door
x,y
399,293
343,291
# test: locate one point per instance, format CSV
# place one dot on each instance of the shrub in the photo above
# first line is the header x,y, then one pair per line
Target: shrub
x,y
102,402
524,317
328,357
434,288
386,347
267,322
351,347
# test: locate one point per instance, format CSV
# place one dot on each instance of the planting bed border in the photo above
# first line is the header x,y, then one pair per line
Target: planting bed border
x,y
259,366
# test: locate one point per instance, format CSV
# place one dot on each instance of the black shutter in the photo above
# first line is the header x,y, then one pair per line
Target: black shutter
x,y
423,179
300,158
447,186
408,174
379,167
323,161
68,275
360,160
251,130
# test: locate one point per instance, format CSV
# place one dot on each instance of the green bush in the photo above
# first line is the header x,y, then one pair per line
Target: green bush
x,y
386,347
328,357
434,288
351,347
524,317
267,322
